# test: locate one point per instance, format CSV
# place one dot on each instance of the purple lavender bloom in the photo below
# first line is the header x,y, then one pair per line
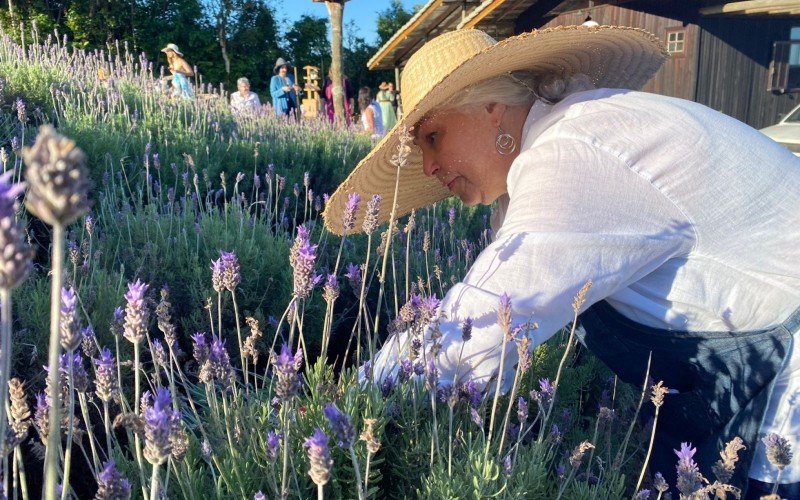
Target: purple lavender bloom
x,y
111,485
259,496
80,379
353,276
343,431
158,353
779,451
561,470
371,215
642,495
105,382
431,376
507,465
350,210
273,446
428,308
406,369
220,362
331,289
504,312
451,216
319,456
231,272
70,335
157,428
306,179
200,349
689,478
304,280
471,393
555,433
136,314
286,367
296,190
387,386
522,409
217,272
476,417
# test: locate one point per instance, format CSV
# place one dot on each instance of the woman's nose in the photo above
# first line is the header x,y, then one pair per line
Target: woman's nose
x,y
429,165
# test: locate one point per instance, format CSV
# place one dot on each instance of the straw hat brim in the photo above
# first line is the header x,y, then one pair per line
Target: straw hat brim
x,y
173,49
612,57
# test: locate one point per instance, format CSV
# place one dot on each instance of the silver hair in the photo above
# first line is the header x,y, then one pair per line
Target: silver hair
x,y
520,88
243,80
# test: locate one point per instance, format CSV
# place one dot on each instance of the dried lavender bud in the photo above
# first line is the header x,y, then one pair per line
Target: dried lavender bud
x,y
286,367
411,222
451,217
426,241
41,417
250,348
159,354
431,376
111,485
726,465
58,179
69,329
578,452
659,391
689,477
20,412
157,428
580,297
106,386
88,342
642,495
15,258
779,451
350,211
136,313
343,431
371,216
319,456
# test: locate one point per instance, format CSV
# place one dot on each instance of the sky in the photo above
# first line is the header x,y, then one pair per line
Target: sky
x,y
363,12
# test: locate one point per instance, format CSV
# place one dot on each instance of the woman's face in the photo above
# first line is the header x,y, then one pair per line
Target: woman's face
x,y
283,69
244,89
458,148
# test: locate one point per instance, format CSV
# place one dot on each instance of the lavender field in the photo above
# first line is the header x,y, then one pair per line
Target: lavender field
x,y
176,322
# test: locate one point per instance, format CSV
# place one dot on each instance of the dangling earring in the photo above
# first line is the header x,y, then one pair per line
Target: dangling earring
x,y
504,143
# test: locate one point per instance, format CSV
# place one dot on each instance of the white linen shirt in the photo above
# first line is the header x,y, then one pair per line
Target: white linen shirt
x,y
249,103
683,218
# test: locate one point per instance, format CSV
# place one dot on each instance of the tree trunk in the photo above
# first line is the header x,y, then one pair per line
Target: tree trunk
x,y
223,44
336,11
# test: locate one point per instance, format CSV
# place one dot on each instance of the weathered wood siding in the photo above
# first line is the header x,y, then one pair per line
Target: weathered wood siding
x,y
678,76
726,59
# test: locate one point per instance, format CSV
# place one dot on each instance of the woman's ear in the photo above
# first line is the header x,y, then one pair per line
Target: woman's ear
x,y
495,112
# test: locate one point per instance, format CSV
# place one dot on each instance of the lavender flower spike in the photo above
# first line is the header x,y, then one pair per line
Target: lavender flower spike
x,y
350,211
286,367
779,451
136,313
15,259
111,485
689,477
231,274
343,430
106,376
304,279
70,335
319,456
157,428
371,216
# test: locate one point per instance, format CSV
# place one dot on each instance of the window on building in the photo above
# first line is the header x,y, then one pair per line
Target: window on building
x,y
784,70
676,41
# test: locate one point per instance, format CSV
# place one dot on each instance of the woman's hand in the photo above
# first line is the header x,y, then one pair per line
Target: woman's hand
x,y
286,88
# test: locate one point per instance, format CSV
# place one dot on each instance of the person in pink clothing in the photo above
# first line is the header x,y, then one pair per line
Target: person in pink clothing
x,y
348,99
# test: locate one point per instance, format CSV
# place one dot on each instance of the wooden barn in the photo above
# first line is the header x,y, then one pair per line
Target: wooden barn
x,y
741,58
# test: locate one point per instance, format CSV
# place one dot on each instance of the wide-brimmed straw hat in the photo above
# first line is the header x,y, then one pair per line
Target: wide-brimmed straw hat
x,y
173,48
611,56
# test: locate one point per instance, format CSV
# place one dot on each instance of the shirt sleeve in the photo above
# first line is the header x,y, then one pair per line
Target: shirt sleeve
x,y
576,213
276,87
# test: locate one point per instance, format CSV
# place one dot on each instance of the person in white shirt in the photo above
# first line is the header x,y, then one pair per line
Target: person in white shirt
x,y
686,221
244,100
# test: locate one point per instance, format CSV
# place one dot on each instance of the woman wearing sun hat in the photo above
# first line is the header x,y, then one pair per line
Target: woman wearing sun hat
x,y
284,90
181,72
685,220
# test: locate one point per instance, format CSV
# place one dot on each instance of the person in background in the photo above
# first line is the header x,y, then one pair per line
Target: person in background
x,y
371,118
284,90
386,99
244,100
348,99
181,72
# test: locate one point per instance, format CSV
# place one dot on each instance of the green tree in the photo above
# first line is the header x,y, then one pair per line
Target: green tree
x,y
394,17
307,42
